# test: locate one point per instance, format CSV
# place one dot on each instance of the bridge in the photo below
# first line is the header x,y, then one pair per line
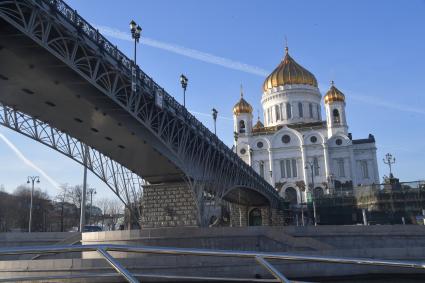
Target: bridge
x,y
66,86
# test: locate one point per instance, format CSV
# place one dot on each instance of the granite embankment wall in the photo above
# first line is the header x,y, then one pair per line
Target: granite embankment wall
x,y
380,242
38,239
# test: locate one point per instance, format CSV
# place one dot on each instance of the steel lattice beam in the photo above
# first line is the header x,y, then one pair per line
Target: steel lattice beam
x,y
124,183
208,164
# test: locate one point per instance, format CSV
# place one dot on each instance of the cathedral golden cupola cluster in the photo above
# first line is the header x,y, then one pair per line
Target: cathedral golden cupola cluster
x,y
287,73
242,106
334,94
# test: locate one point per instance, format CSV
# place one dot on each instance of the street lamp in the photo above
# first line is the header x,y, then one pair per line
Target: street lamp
x,y
91,191
183,81
310,165
236,136
389,160
214,115
251,151
331,179
136,31
32,179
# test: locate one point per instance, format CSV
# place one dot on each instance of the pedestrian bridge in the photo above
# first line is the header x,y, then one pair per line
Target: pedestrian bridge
x,y
65,85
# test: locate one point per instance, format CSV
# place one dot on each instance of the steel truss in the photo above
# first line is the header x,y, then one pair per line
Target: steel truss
x,y
124,183
210,167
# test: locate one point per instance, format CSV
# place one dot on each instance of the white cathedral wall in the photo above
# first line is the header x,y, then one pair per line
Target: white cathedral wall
x,y
292,94
275,149
366,153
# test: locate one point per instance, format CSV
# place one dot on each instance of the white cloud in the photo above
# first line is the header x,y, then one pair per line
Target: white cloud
x,y
378,101
188,52
386,104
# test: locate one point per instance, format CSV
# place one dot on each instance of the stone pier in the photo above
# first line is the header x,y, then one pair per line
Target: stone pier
x,y
173,205
168,205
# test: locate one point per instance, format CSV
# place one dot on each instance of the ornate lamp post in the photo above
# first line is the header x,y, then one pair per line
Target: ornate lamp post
x,y
183,82
32,179
136,31
91,191
251,152
214,115
331,179
310,165
262,168
389,160
236,136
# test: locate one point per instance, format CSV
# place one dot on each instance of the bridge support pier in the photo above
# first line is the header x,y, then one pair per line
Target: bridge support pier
x,y
168,205
174,205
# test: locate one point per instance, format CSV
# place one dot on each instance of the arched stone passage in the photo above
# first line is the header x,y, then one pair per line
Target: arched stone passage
x,y
255,217
318,192
291,195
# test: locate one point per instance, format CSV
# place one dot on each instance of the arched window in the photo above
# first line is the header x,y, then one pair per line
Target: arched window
x,y
291,195
261,169
255,218
310,109
241,126
300,109
277,110
281,111
337,119
318,111
316,166
364,167
268,116
288,111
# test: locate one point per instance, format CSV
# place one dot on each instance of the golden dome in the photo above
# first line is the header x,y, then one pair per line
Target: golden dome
x,y
334,94
258,125
289,72
242,106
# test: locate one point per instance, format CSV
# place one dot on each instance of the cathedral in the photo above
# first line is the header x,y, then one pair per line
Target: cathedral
x,y
294,149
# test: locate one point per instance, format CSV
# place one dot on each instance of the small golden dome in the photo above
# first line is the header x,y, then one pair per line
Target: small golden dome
x,y
242,106
289,72
258,125
334,94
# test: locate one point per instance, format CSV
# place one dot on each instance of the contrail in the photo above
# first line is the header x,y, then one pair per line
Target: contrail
x,y
387,104
29,162
188,52
353,95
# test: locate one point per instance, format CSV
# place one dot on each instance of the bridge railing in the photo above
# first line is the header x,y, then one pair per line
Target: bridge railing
x,y
112,50
261,258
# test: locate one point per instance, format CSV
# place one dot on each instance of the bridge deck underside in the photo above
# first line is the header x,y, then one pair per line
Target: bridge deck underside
x,y
35,82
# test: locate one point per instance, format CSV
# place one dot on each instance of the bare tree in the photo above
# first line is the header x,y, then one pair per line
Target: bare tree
x,y
75,194
115,211
41,207
103,204
62,197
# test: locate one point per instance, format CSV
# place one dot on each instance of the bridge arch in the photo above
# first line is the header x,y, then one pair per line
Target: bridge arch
x,y
104,75
126,185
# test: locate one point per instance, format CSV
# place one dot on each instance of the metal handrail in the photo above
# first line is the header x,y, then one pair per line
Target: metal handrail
x,y
260,257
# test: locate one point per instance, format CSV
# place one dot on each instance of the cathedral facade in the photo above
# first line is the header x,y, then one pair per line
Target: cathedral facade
x,y
295,150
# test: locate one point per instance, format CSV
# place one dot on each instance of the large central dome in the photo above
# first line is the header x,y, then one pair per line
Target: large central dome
x,y
289,72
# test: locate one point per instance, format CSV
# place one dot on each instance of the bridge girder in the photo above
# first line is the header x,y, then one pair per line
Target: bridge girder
x,y
208,165
126,185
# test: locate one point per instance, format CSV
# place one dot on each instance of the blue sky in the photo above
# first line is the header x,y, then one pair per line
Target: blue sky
x,y
373,50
